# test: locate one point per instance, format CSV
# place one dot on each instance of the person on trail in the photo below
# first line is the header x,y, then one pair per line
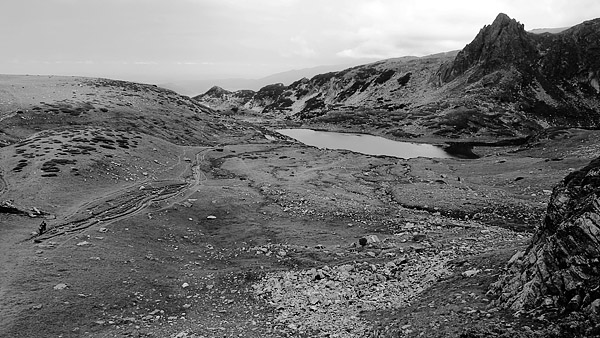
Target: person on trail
x,y
42,228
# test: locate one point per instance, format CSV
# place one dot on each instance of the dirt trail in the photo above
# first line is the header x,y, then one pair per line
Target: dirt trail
x,y
100,212
3,184
131,201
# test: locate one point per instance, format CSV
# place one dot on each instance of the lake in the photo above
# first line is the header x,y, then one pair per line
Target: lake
x,y
365,144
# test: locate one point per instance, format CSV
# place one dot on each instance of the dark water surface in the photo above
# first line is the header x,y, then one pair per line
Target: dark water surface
x,y
366,144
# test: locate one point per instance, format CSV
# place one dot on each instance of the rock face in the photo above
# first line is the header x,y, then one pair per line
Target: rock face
x,y
506,83
503,42
561,268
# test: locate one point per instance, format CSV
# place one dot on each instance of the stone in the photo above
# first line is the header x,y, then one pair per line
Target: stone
x,y
594,307
518,255
60,286
471,273
574,303
371,239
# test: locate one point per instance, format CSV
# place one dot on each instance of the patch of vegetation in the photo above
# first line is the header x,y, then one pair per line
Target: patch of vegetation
x,y
356,86
364,73
280,104
403,80
272,91
19,167
314,103
401,133
52,165
385,76
321,79
301,92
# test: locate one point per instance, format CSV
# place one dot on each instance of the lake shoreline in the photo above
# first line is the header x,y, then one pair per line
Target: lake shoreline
x,y
365,143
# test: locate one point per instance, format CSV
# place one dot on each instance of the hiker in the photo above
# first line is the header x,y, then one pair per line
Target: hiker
x,y
42,228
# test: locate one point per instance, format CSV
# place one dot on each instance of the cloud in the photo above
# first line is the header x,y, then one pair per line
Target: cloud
x,y
145,63
194,63
298,46
252,37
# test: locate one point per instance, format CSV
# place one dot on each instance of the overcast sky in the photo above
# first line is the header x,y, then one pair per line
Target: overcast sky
x,y
163,40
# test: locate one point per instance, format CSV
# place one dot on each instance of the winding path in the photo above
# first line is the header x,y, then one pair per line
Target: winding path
x,y
132,200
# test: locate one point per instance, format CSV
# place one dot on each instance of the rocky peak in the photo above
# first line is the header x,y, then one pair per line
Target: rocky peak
x,y
217,91
503,42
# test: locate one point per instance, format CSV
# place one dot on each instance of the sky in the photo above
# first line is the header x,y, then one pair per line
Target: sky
x,y
158,41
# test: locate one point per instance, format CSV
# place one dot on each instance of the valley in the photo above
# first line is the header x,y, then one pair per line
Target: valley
x,y
170,216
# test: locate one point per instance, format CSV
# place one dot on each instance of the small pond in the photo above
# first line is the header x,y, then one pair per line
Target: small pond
x,y
365,144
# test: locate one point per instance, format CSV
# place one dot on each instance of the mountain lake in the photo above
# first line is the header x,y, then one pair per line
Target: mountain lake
x,y
365,144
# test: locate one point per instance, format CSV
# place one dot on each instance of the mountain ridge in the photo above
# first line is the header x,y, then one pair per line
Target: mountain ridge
x,y
507,82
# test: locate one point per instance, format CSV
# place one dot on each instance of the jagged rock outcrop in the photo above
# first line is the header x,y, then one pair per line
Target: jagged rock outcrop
x,y
506,83
503,42
560,270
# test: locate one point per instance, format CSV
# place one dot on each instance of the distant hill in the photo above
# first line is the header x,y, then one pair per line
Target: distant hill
x,y
65,139
506,83
48,102
548,30
195,87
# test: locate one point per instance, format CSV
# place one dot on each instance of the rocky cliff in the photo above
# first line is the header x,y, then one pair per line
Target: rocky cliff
x,y
505,83
560,270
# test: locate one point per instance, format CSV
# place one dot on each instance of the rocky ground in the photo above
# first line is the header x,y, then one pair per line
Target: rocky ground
x,y
264,240
263,237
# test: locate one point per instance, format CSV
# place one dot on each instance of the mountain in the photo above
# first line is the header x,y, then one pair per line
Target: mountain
x,y
85,135
193,87
548,30
506,83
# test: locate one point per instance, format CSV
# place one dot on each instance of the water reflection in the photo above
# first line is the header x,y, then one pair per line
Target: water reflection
x,y
366,144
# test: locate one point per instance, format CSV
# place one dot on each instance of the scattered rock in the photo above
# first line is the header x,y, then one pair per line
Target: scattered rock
x,y
372,239
471,273
60,286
